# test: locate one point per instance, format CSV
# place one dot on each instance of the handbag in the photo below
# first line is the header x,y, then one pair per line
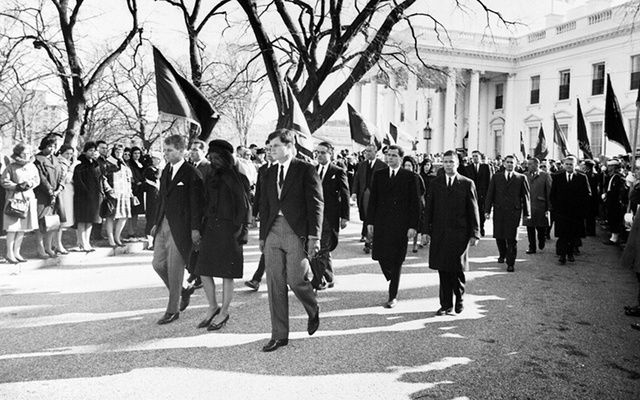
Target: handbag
x,y
50,223
17,207
108,207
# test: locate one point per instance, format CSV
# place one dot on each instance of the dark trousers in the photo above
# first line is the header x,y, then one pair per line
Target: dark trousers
x,y
257,276
392,273
451,283
508,248
541,236
566,245
482,218
590,225
327,241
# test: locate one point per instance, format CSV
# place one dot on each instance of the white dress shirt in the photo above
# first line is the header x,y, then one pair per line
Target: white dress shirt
x,y
175,167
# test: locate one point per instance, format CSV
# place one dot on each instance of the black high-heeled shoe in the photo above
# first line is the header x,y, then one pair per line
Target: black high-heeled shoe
x,y
218,326
11,260
120,244
207,321
20,259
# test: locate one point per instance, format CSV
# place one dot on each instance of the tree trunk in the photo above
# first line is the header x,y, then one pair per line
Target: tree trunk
x,y
194,58
75,109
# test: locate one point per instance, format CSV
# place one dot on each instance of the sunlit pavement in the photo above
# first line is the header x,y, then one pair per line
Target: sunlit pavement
x,y
87,331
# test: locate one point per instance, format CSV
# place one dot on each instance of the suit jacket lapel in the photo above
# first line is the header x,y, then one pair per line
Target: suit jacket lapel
x,y
177,177
288,178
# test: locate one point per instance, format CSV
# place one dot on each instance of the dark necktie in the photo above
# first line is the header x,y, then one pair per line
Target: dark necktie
x,y
393,173
281,177
321,172
509,177
169,174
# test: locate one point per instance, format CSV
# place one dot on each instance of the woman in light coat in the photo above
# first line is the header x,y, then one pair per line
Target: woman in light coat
x,y
19,179
65,157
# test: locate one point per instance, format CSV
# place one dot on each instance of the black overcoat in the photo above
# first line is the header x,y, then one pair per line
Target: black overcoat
x,y
335,191
510,201
393,209
362,184
569,202
87,190
451,219
540,187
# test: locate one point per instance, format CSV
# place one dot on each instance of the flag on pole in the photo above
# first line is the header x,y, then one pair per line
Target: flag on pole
x,y
613,125
179,98
522,148
541,151
304,143
360,132
559,138
583,138
393,131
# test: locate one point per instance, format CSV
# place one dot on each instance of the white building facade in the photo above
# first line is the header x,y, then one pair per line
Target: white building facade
x,y
496,88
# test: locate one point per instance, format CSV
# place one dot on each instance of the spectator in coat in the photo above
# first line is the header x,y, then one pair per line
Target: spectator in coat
x,y
410,164
427,174
67,162
47,194
453,223
152,191
137,188
19,179
88,194
480,173
392,217
540,187
119,193
508,196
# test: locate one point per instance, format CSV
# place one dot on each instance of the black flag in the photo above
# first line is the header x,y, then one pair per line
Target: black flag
x,y
541,151
559,138
178,97
522,148
583,138
359,130
298,123
613,125
393,131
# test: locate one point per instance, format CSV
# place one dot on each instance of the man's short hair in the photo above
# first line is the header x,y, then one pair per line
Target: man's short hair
x,y
451,153
328,145
396,147
177,141
286,136
46,142
201,145
535,160
509,156
575,160
476,152
99,142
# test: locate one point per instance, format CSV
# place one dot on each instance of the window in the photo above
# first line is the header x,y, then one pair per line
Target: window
x,y
635,72
595,138
533,139
597,82
499,91
565,78
498,141
535,90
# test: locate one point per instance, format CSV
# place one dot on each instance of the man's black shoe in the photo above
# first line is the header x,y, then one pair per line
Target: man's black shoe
x,y
541,245
510,268
314,322
443,311
459,307
198,283
186,297
570,258
255,285
168,318
563,260
531,251
500,260
366,250
273,344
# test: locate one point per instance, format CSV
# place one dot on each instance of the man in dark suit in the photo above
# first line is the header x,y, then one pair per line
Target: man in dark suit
x,y
198,159
177,226
335,192
540,190
254,283
362,187
615,199
508,195
291,208
452,223
480,174
392,217
570,194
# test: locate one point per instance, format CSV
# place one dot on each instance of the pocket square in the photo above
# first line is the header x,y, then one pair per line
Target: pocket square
x,y
180,184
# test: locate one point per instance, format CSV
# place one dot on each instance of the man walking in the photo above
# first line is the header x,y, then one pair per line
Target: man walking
x,y
335,192
452,222
291,208
392,217
480,173
569,200
362,187
508,195
540,187
615,199
177,226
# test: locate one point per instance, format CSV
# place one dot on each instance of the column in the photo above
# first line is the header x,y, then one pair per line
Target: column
x,y
449,112
357,97
372,115
411,125
511,138
435,145
474,96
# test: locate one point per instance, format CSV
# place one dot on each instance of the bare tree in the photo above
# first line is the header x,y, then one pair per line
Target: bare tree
x,y
60,44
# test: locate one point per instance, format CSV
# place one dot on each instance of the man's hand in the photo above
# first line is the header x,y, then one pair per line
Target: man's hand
x,y
473,241
195,237
487,215
261,245
314,247
411,233
370,231
343,223
153,230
